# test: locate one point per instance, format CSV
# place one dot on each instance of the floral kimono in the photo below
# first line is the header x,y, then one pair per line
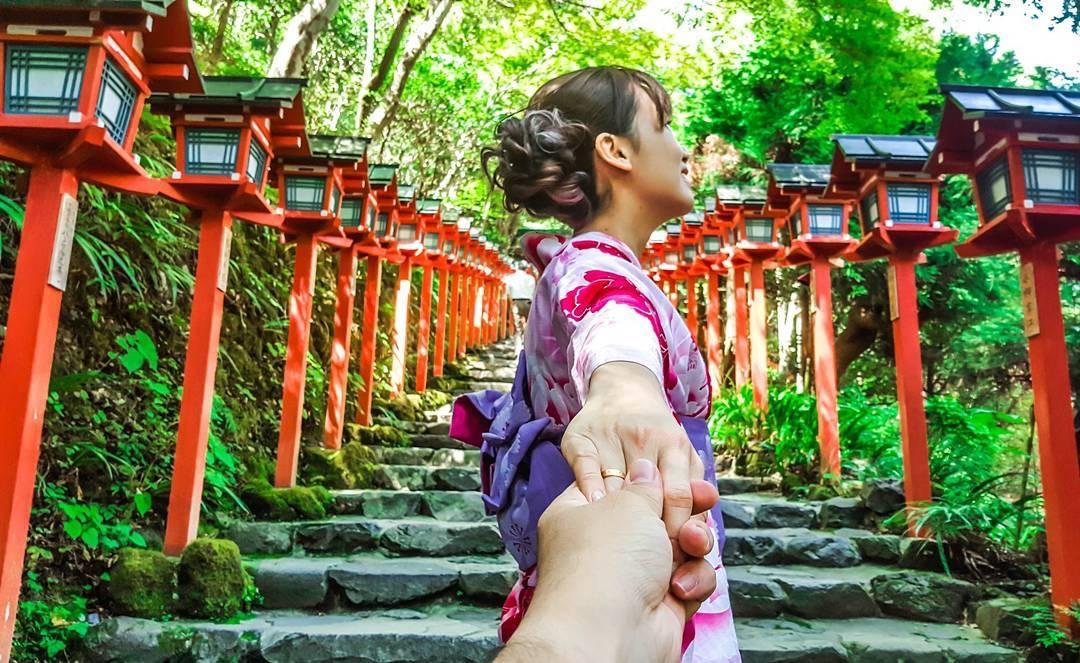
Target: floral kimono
x,y
593,305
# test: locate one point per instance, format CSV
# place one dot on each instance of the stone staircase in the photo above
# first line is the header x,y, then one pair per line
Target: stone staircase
x,y
413,571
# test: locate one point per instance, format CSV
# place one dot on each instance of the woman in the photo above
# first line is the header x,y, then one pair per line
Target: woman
x,y
609,373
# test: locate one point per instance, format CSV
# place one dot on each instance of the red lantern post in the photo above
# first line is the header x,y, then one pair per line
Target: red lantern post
x,y
409,246
714,256
430,215
357,224
1021,149
818,225
311,193
692,268
74,79
225,138
383,180
897,202
756,233
447,290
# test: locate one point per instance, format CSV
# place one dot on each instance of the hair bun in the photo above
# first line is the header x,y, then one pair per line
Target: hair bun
x,y
539,165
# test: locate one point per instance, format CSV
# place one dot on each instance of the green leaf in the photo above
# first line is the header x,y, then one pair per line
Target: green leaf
x,y
142,503
73,528
91,537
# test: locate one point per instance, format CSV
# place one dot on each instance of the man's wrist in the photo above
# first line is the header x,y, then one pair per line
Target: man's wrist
x,y
568,635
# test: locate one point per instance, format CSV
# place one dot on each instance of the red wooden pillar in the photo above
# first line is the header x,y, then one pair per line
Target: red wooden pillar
x,y
424,328
340,353
714,350
467,314
368,338
464,283
1051,389
825,369
759,336
691,308
440,323
909,381
200,367
742,328
33,318
400,335
292,401
453,326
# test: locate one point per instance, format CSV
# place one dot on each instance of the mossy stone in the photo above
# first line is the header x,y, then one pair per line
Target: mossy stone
x,y
305,504
211,580
142,583
326,467
265,502
433,399
325,497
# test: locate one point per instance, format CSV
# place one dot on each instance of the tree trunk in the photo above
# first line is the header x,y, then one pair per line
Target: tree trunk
x,y
301,33
418,42
217,48
374,81
859,334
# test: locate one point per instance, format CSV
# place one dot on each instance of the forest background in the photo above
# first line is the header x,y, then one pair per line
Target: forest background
x,y
765,80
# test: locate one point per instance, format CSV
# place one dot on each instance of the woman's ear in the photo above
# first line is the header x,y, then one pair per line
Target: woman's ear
x,y
614,151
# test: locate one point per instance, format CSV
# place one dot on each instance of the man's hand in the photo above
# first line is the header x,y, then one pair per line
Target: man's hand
x,y
605,589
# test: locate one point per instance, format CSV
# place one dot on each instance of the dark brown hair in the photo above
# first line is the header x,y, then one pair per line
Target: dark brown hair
x,y
544,160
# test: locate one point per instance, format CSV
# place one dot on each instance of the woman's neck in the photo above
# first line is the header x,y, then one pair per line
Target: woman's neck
x,y
625,223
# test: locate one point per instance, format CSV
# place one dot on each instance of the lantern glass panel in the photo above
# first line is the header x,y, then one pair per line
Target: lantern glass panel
x,y
671,258
370,222
711,245
351,212
868,209
256,165
449,248
689,252
406,232
759,229
305,194
382,223
116,101
909,203
211,151
43,80
431,241
1050,176
995,192
826,219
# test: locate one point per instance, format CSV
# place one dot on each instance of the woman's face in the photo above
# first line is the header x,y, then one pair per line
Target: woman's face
x,y
661,172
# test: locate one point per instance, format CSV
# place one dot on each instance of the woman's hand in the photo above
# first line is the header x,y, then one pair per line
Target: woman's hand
x,y
626,417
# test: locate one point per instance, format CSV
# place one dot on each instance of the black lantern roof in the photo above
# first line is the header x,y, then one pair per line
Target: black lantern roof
x,y
428,205
156,7
382,173
252,90
733,194
800,175
976,101
891,150
350,148
406,193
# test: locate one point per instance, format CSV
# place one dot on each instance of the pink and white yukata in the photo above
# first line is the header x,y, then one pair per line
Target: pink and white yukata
x,y
593,305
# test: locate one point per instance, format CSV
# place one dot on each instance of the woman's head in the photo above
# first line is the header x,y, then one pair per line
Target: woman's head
x,y
586,139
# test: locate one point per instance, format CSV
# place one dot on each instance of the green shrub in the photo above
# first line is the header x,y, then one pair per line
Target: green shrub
x,y
142,583
211,580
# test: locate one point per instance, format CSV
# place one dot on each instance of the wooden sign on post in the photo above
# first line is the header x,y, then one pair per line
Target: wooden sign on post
x,y
65,237
894,301
1027,299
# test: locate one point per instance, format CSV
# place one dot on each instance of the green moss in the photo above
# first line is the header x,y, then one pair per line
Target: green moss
x,y
434,399
407,407
379,436
305,504
266,502
325,497
211,580
326,467
143,584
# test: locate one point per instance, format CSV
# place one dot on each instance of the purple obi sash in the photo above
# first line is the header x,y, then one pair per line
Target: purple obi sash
x,y
522,468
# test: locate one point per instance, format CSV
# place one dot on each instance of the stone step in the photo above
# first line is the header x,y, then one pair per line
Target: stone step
x,y
452,634
732,485
749,547
437,440
419,477
482,385
370,580
440,504
494,373
427,457
345,535
846,593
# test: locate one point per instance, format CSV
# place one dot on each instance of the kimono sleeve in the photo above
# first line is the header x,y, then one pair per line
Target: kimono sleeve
x,y
608,317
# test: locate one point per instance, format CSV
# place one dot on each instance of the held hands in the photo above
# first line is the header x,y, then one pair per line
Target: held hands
x,y
625,418
606,590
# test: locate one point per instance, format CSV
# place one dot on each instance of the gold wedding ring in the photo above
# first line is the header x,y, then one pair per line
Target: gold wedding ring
x,y
613,474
